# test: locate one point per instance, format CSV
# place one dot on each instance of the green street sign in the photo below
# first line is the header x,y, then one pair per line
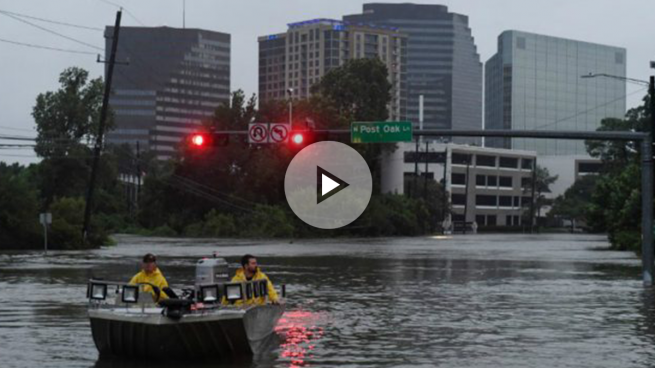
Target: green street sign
x,y
381,132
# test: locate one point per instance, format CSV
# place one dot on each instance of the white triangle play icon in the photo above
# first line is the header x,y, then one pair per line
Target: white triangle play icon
x,y
327,184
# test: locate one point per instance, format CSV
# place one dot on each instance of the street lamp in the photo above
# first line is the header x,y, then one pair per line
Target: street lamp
x,y
651,90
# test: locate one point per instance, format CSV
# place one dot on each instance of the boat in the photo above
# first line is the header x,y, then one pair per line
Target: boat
x,y
209,321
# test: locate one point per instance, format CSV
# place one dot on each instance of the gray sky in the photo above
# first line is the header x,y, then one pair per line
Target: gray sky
x,y
26,72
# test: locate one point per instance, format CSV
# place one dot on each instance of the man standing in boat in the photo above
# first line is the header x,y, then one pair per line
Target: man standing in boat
x,y
150,274
249,271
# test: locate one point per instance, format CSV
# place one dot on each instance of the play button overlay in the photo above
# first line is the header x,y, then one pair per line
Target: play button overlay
x,y
328,185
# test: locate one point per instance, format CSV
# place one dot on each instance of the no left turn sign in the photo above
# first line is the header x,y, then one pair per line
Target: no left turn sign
x,y
279,133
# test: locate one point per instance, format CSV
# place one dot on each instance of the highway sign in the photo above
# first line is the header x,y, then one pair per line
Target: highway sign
x,y
258,133
381,132
279,133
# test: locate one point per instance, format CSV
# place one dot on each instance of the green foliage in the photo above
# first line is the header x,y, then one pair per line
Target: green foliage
x,y
267,221
67,219
575,202
543,181
616,202
19,209
359,90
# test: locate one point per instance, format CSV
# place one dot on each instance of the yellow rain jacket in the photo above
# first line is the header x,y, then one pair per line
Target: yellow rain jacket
x,y
240,276
156,278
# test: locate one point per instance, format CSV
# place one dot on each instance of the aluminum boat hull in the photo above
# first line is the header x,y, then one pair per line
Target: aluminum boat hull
x,y
216,334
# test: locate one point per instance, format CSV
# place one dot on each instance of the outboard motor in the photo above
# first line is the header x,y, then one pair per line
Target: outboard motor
x,y
211,271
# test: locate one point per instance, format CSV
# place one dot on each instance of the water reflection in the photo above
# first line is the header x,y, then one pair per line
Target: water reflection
x,y
301,334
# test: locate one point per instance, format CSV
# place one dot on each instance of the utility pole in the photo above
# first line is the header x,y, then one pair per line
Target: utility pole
x,y
425,182
466,191
532,202
138,172
101,128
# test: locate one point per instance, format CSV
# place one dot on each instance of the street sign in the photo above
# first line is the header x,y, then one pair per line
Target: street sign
x,y
279,133
45,218
381,132
258,133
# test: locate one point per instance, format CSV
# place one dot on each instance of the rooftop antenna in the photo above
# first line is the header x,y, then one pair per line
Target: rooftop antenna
x,y
183,13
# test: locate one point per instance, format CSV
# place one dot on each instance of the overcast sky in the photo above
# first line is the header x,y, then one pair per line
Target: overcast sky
x,y
26,72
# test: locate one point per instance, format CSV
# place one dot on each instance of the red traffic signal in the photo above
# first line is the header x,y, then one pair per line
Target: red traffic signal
x,y
201,140
297,138
198,140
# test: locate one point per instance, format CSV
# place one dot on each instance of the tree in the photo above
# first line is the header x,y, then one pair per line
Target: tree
x,y
616,202
67,121
574,204
19,227
359,90
543,181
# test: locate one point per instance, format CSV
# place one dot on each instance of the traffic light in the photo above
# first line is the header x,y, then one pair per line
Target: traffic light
x,y
298,138
198,140
203,140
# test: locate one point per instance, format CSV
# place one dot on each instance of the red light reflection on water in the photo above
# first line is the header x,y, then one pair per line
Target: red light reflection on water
x,y
299,332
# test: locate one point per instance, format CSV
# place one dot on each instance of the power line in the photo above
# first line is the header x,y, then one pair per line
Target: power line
x,y
124,9
587,111
51,31
17,129
52,21
46,47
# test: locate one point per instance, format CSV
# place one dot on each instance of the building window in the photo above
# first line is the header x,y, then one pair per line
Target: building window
x,y
492,181
479,219
460,159
481,180
491,220
458,179
505,182
486,200
458,199
508,220
505,201
486,161
509,162
589,167
517,201
526,163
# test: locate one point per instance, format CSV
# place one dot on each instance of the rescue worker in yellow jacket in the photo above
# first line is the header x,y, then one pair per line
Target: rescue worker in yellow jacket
x,y
151,274
249,271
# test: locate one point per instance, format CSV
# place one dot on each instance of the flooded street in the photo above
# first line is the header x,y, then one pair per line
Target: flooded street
x,y
486,300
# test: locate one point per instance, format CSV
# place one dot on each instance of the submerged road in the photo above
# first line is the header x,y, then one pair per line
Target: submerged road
x,y
485,300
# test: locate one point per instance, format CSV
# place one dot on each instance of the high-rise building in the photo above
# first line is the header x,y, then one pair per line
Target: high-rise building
x,y
443,64
308,50
174,79
534,83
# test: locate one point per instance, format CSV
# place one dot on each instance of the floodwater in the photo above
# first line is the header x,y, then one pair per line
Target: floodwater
x,y
465,301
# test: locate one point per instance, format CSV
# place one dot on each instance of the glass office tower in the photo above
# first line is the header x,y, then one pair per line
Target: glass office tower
x,y
534,82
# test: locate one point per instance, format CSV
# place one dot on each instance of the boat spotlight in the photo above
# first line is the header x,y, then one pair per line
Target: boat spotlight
x,y
98,291
130,294
233,292
209,293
